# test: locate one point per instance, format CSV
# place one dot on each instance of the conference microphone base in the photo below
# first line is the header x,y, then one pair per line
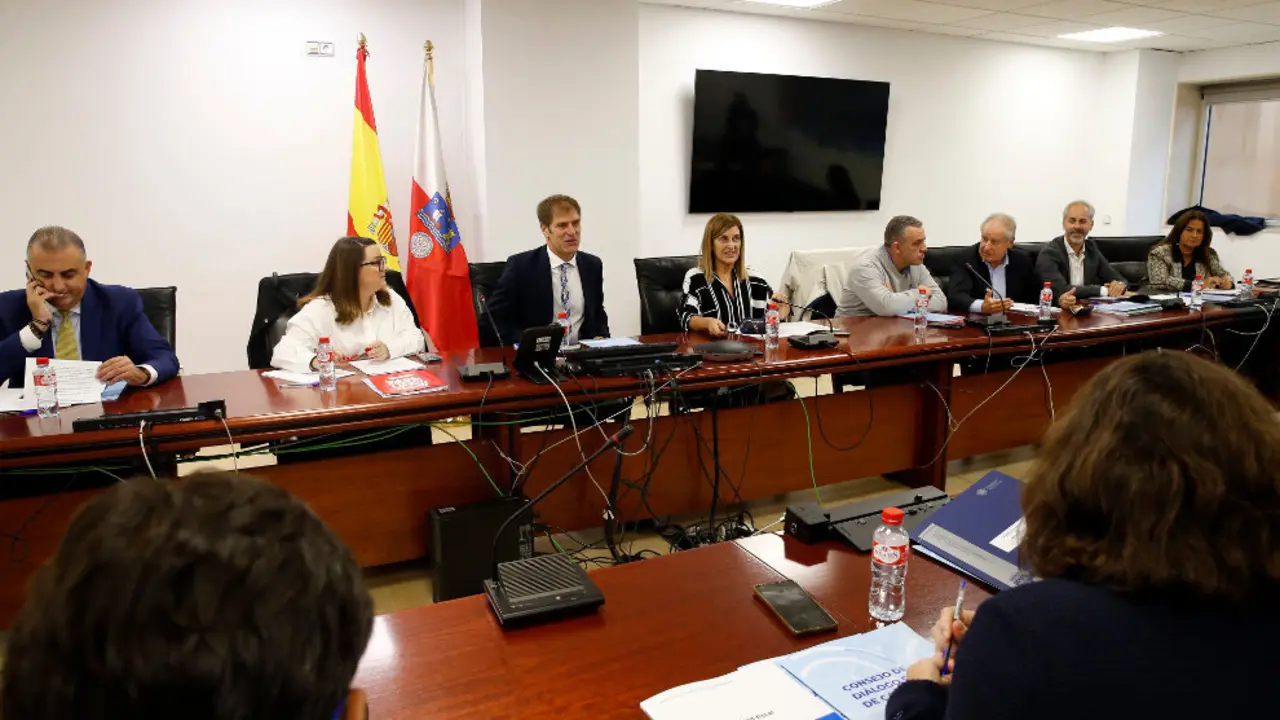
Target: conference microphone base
x,y
540,589
483,372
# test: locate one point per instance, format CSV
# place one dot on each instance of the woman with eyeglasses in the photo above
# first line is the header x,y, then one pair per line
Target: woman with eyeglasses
x,y
351,306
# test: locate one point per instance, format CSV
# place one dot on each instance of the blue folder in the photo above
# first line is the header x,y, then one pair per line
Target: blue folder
x,y
978,532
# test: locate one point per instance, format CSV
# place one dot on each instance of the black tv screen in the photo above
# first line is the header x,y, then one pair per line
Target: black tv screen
x,y
782,143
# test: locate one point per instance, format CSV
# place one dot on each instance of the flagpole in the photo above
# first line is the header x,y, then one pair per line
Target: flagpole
x,y
429,48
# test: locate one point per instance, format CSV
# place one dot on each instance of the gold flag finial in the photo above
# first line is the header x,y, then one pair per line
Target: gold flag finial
x,y
429,48
362,41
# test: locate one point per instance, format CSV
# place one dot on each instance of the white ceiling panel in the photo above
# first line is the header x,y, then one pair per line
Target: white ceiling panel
x,y
1188,25
1073,9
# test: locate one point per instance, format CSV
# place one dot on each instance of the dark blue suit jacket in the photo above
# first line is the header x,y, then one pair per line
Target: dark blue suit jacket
x,y
111,324
523,296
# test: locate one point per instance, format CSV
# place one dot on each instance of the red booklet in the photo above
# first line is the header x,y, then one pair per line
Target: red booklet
x,y
413,382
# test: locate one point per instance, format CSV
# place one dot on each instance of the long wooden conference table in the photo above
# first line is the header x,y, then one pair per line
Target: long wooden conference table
x,y
666,622
378,501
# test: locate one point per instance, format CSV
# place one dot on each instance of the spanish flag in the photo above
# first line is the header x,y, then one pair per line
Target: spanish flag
x,y
368,212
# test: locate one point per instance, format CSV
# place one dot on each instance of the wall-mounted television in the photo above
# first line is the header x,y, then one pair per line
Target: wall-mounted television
x,y
784,143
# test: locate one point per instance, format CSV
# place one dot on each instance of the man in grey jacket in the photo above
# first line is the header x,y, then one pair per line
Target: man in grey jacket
x,y
888,280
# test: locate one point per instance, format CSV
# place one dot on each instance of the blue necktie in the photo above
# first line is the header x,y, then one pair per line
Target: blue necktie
x,y
564,298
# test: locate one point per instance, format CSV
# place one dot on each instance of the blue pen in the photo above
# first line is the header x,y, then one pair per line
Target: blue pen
x,y
955,618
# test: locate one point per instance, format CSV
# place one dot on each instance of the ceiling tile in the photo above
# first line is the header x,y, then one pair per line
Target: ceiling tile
x,y
1176,43
1000,21
1266,12
952,30
909,10
859,19
1188,25
1072,9
992,4
1200,6
1054,29
1045,41
1242,33
1132,17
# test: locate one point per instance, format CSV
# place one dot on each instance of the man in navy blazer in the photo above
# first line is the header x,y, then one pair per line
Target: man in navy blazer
x,y
538,284
64,314
1000,265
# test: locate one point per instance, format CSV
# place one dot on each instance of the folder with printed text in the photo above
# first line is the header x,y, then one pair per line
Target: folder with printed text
x,y
978,532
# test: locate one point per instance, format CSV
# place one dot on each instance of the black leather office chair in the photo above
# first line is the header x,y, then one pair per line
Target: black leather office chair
x,y
278,301
661,282
943,262
1128,255
160,305
484,276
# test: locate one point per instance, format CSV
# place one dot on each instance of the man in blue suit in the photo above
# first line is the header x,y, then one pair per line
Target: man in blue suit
x,y
64,314
538,284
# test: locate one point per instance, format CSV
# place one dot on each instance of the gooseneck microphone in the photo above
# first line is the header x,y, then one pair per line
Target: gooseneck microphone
x,y
802,308
993,318
472,371
616,440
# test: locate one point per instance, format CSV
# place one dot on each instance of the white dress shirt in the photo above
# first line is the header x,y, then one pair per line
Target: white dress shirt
x,y
392,325
999,282
31,343
1076,261
577,302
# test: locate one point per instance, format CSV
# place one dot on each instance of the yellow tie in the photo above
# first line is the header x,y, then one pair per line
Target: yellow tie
x,y
65,346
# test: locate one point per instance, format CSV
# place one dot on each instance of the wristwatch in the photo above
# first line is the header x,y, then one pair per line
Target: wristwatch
x,y
38,328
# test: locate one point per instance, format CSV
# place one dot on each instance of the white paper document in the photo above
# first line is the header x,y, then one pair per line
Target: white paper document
x,y
795,329
611,342
384,367
1011,537
760,690
1032,309
12,400
297,378
78,382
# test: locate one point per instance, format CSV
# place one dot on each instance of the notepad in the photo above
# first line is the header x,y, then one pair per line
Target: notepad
x,y
78,382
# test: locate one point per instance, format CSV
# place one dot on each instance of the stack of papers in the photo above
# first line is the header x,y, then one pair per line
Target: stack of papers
x,y
1032,309
298,379
938,319
849,678
78,382
13,400
384,367
1126,307
611,342
795,329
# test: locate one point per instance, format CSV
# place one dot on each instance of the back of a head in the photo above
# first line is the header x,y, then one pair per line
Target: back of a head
x,y
219,597
1161,482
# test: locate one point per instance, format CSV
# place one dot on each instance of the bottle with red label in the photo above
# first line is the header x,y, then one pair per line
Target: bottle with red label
x,y
890,549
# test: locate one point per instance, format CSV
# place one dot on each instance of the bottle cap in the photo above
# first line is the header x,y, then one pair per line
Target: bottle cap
x,y
42,362
891,516
923,291
1198,277
324,339
562,315
1249,270
1046,284
773,305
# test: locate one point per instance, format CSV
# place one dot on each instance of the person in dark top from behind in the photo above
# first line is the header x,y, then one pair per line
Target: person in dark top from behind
x,y
219,597
1153,517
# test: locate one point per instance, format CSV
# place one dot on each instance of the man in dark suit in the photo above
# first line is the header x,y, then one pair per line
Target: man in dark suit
x,y
1073,265
539,284
64,314
1000,265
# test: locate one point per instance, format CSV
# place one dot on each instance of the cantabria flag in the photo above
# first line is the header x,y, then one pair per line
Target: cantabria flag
x,y
368,212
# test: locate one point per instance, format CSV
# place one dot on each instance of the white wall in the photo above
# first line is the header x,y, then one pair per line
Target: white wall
x,y
1230,64
561,108
1154,102
193,144
974,127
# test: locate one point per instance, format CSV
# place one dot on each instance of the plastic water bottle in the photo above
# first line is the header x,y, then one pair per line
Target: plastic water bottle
x,y
890,549
562,319
1197,293
326,366
922,311
1046,302
771,326
1246,285
45,378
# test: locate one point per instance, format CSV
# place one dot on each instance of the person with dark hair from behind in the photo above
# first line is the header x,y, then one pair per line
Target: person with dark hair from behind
x,y
64,314
1153,517
1173,263
353,307
537,285
218,597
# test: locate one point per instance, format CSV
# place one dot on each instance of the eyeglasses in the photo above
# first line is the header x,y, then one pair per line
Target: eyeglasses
x,y
381,262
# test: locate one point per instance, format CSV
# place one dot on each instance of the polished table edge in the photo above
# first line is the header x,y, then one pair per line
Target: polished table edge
x,y
519,394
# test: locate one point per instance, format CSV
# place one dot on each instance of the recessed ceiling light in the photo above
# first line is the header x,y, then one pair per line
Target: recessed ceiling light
x,y
795,3
1111,34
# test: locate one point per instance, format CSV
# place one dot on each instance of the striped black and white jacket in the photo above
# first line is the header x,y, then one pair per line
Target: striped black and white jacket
x,y
749,300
